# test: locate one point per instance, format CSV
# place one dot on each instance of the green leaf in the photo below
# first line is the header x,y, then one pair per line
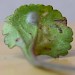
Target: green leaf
x,y
38,30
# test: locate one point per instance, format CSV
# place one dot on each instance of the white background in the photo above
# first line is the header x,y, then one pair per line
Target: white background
x,y
67,7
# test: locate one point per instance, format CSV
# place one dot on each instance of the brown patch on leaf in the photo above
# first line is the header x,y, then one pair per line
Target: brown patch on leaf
x,y
62,21
17,39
